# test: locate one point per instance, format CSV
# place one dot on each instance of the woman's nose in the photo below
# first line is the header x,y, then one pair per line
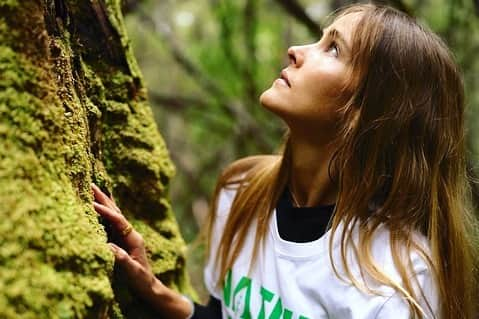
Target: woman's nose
x,y
296,56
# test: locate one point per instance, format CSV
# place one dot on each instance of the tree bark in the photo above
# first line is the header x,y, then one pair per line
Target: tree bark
x,y
74,110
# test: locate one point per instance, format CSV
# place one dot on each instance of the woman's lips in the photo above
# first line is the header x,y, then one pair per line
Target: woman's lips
x,y
284,77
282,82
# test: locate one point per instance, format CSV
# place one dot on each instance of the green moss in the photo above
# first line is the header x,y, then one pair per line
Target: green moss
x,y
52,258
63,123
15,69
52,262
116,19
93,85
8,4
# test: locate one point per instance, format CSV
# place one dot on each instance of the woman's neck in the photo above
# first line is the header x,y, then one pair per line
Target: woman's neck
x,y
309,181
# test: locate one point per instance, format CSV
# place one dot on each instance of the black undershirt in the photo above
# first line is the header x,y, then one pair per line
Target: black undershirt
x,y
301,224
295,224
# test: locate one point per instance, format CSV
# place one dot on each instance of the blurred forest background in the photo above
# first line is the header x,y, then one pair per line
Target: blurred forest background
x,y
206,62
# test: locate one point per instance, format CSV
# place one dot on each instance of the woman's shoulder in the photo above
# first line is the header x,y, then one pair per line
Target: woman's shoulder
x,y
415,256
387,252
386,258
236,175
239,169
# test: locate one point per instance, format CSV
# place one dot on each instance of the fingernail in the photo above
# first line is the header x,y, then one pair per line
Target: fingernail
x,y
113,247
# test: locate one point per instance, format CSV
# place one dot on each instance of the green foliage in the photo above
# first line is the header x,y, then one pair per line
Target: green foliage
x,y
240,46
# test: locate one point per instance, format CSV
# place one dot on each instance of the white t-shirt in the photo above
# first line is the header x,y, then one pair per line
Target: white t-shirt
x,y
296,280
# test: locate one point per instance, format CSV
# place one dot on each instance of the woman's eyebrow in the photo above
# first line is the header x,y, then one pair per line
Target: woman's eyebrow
x,y
336,35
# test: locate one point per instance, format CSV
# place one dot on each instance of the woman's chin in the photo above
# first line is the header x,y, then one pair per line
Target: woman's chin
x,y
268,98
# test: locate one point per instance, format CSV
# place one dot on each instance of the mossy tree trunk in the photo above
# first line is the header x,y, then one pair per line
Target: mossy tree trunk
x,y
73,110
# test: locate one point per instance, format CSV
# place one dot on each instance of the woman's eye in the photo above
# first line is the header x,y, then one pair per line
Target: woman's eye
x,y
333,48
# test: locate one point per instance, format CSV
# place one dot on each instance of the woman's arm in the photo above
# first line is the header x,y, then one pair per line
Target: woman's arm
x,y
132,258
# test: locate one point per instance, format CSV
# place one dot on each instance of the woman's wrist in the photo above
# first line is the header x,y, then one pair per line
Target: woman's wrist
x,y
192,306
170,303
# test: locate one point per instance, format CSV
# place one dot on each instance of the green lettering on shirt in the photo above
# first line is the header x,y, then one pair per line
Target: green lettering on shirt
x,y
244,283
277,310
227,289
266,295
287,314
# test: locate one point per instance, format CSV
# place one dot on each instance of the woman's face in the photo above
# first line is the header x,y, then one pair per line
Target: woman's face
x,y
309,91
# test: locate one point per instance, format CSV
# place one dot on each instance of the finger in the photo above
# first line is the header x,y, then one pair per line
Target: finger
x,y
99,195
102,198
125,260
118,221
131,238
139,276
114,203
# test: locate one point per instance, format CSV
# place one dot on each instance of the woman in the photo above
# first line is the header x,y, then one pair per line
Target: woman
x,y
365,212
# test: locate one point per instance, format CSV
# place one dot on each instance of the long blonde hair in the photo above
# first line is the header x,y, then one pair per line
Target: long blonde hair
x,y
400,163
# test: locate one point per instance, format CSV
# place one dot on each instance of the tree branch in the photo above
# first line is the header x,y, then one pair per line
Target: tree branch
x,y
250,19
187,65
402,6
297,11
234,108
129,6
398,4
176,102
226,34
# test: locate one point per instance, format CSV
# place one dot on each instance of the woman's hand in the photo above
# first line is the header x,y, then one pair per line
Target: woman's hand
x,y
132,258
